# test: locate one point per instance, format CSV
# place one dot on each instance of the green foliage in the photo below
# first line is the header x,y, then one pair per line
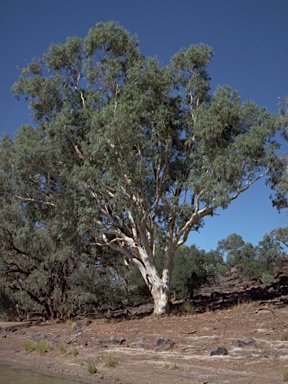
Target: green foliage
x,y
37,269
75,352
7,303
257,262
187,308
110,361
91,368
267,278
126,154
192,269
278,177
29,346
42,347
62,349
280,236
40,273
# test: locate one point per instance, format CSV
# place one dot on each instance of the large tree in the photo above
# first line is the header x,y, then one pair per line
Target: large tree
x,y
130,153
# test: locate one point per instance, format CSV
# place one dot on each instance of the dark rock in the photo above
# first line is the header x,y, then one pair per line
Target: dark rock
x,y
234,276
219,325
220,351
215,295
54,338
71,340
103,344
39,336
78,324
116,340
87,322
74,337
247,342
83,343
77,333
164,345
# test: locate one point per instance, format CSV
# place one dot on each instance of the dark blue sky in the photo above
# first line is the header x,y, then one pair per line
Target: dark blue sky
x,y
249,38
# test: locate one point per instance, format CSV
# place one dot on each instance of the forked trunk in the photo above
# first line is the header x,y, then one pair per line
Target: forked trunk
x,y
161,287
158,286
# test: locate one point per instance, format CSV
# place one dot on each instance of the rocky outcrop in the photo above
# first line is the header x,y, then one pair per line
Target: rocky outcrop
x,y
232,289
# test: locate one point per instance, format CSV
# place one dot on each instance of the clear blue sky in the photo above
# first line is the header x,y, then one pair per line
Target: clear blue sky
x,y
249,37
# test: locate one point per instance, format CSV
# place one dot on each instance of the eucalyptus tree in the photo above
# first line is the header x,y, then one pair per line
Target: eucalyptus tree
x,y
44,273
278,179
138,152
269,251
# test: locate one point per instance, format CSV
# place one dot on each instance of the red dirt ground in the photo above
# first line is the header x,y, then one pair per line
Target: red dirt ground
x,y
255,336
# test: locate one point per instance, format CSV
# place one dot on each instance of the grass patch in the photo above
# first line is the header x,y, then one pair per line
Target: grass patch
x,y
91,368
110,361
42,347
75,352
187,307
170,365
29,346
285,376
62,349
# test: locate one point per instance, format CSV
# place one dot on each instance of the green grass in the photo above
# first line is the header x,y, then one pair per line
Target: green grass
x,y
187,307
110,361
42,347
75,352
29,346
91,368
62,349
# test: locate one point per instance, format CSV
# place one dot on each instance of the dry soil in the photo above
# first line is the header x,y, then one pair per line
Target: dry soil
x,y
255,337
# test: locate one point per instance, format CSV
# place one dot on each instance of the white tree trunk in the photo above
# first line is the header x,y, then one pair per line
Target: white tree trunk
x,y
161,297
159,288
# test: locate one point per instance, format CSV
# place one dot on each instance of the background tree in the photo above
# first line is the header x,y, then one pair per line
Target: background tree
x,y
280,235
237,253
269,250
40,273
192,269
278,177
255,262
130,153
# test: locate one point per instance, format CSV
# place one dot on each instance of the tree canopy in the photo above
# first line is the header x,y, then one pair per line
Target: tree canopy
x,y
128,154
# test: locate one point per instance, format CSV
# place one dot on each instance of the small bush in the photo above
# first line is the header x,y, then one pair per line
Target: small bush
x,y
173,365
75,352
187,307
267,278
170,365
62,349
42,347
29,346
110,361
91,368
285,376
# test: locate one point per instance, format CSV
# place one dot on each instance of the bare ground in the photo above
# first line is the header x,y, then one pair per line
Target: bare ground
x,y
255,337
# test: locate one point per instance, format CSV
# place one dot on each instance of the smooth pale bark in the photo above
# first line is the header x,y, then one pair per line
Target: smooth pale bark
x,y
158,286
161,296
